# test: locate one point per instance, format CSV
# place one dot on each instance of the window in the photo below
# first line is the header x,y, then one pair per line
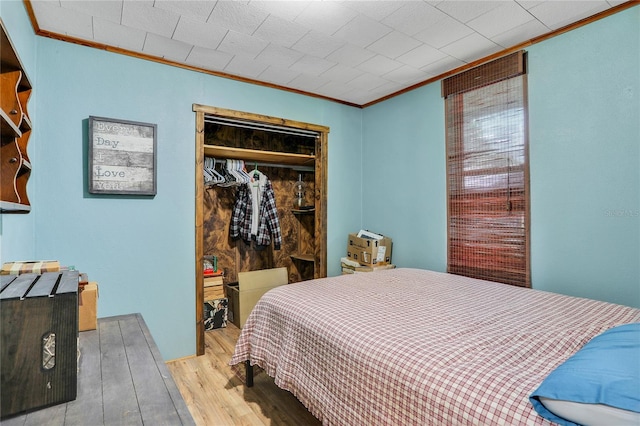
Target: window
x,y
488,172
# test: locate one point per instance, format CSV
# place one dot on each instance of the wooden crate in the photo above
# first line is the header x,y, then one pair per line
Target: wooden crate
x,y
39,340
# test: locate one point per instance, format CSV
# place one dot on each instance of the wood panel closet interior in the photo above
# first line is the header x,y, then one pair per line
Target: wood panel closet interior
x,y
285,151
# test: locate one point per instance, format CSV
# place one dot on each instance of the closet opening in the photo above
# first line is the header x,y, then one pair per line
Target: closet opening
x,y
234,148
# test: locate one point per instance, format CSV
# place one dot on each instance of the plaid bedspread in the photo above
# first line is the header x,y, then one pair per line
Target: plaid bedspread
x,y
415,347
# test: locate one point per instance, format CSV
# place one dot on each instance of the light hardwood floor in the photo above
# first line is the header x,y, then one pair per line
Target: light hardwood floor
x,y
216,397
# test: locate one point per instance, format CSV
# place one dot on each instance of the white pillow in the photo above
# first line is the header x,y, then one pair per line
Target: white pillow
x,y
591,414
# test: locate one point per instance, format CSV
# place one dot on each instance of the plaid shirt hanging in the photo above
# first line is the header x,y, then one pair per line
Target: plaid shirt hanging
x,y
268,224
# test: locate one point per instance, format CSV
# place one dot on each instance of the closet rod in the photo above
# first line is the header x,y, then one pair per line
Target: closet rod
x,y
248,164
281,166
261,126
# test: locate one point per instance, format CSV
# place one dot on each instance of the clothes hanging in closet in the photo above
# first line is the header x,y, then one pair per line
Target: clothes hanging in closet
x,y
255,216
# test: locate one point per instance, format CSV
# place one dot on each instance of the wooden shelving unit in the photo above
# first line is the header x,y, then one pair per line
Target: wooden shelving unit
x,y
15,129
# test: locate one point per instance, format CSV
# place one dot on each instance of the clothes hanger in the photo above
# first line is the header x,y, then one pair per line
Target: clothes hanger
x,y
235,169
229,180
218,176
232,173
207,176
243,177
211,176
243,171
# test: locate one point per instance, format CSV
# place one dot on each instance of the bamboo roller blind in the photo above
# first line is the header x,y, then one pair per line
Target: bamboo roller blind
x,y
487,172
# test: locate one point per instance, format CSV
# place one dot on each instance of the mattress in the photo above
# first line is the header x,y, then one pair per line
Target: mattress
x,y
417,347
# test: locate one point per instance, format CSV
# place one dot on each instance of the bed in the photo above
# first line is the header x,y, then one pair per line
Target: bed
x,y
417,347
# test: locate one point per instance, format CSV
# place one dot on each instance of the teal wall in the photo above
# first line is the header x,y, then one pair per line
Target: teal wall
x,y
584,94
584,91
386,170
404,189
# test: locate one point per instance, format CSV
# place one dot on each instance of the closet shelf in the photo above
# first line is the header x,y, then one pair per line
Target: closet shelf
x,y
303,211
249,155
304,257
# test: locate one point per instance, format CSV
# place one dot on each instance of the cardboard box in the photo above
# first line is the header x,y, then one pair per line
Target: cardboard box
x,y
214,292
350,269
369,251
211,281
215,314
30,267
250,287
88,307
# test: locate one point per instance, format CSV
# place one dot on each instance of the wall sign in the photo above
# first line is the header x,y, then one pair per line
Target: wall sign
x,y
122,157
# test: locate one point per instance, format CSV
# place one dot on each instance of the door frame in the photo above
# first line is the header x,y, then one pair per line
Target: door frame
x,y
320,166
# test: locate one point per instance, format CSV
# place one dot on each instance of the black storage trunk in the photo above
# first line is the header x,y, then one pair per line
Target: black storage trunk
x,y
39,340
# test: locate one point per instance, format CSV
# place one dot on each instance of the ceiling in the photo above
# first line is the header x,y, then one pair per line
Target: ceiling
x,y
351,51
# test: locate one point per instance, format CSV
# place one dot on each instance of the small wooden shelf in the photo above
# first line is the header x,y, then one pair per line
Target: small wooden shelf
x,y
6,206
25,167
303,257
8,127
303,211
10,59
260,156
25,123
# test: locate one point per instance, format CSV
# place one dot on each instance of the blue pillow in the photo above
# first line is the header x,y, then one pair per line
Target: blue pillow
x,y
606,371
